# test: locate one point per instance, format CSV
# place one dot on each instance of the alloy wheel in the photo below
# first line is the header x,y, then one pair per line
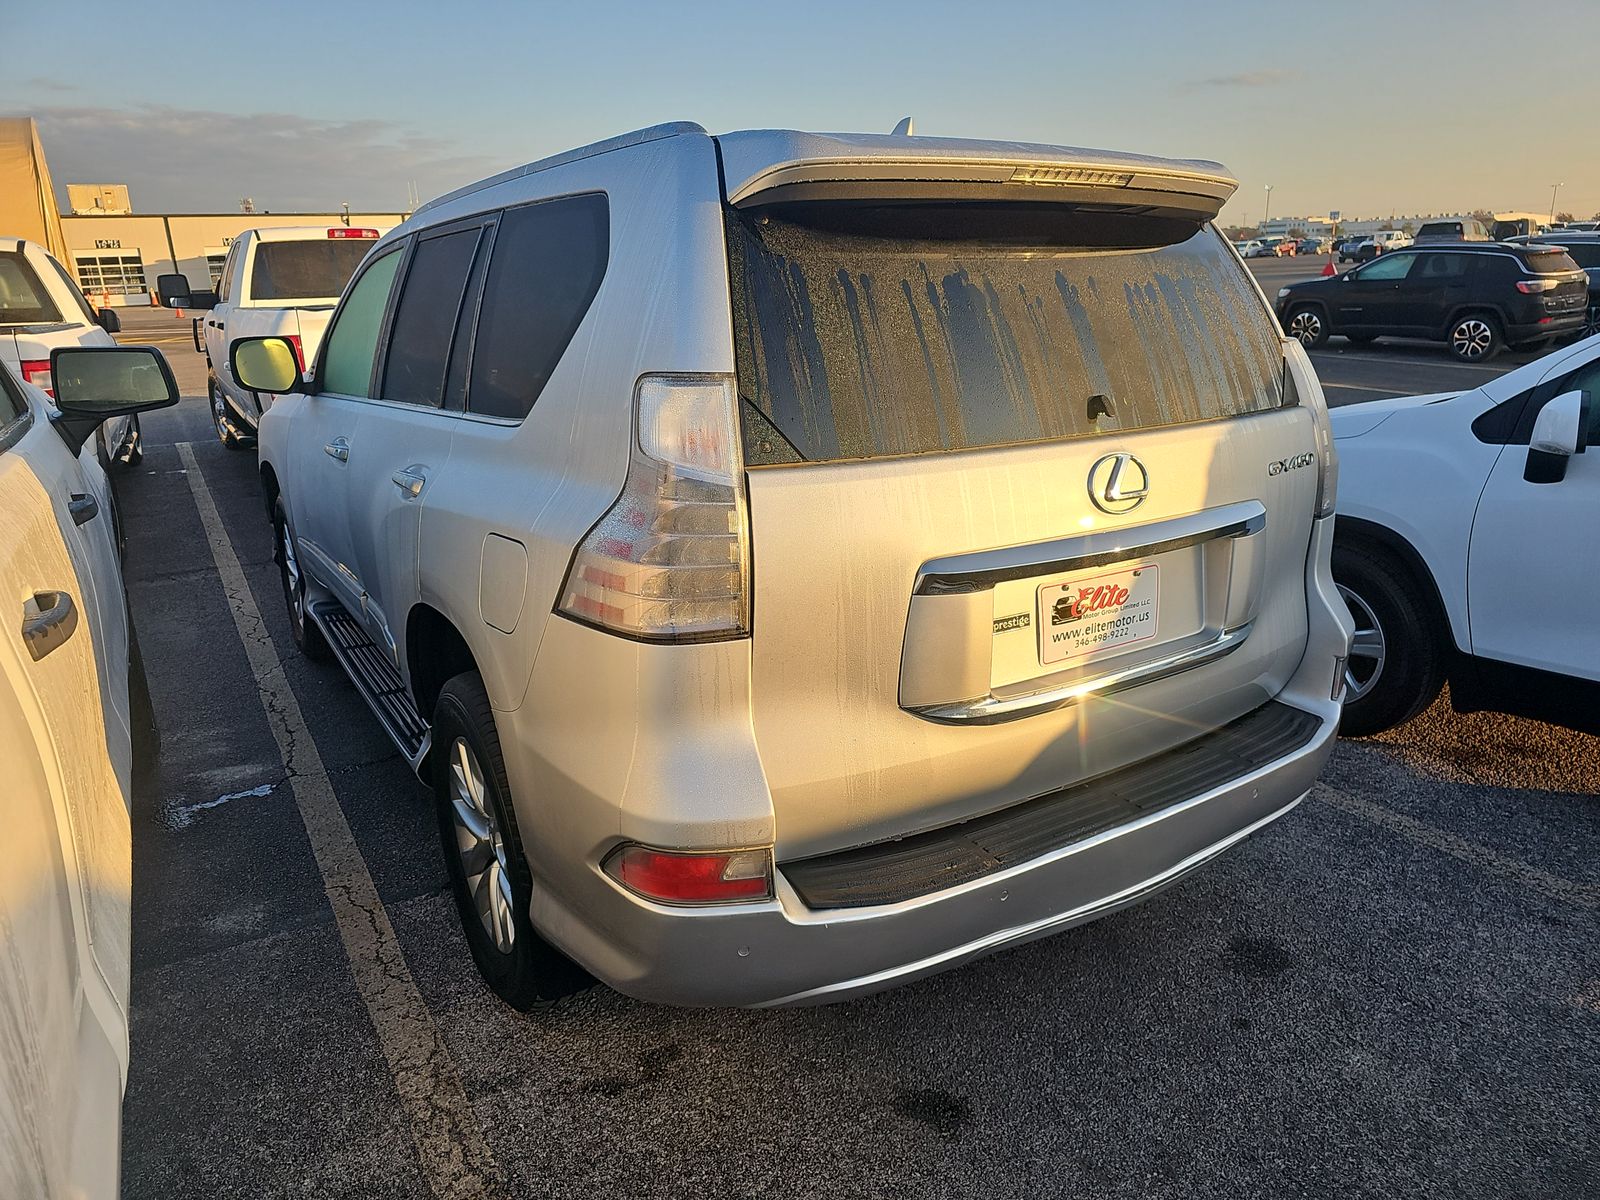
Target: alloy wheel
x,y
1471,338
1305,327
1369,649
481,846
294,588
1591,323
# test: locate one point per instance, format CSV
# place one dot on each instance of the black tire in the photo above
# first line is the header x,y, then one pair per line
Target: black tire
x,y
1475,337
214,399
1361,339
1379,586
1308,325
1591,322
528,972
308,638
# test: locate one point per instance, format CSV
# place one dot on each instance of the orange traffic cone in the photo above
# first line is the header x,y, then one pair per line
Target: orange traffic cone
x,y
1329,269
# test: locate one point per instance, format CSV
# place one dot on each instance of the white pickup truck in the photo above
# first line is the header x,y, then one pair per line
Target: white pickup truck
x,y
275,283
42,309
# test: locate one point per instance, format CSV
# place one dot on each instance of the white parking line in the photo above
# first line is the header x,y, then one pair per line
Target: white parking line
x,y
1360,387
1397,360
455,1158
1551,887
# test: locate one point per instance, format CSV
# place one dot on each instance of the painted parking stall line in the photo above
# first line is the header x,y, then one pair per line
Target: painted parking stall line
x,y
1551,887
455,1158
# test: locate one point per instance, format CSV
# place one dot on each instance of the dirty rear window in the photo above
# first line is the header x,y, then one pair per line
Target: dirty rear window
x,y
880,330
311,270
23,299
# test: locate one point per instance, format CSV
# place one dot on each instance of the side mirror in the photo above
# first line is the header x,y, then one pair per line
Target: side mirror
x,y
266,364
1559,431
174,292
108,320
96,383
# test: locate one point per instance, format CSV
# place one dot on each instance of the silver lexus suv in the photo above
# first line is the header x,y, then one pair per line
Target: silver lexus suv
x,y
800,563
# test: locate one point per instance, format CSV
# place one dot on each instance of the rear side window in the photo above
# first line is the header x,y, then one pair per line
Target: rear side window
x,y
23,299
872,331
305,270
1445,267
546,267
425,318
1550,262
73,290
1585,254
352,343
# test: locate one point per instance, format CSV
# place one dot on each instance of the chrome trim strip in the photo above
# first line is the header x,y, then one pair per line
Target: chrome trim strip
x,y
991,710
962,574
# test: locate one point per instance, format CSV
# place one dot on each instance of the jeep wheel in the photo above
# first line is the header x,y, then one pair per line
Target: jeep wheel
x,y
1307,326
1397,662
308,638
1475,337
483,854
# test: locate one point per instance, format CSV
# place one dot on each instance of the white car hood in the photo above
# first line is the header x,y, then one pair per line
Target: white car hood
x,y
1352,420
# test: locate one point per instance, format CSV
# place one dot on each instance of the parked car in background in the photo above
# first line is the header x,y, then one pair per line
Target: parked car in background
x,y
65,740
1466,549
1246,247
1477,297
519,497
1465,230
281,282
43,309
1348,247
1314,245
1264,248
1286,248
1584,249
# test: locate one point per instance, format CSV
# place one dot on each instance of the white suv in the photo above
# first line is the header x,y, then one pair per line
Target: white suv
x,y
803,562
1467,548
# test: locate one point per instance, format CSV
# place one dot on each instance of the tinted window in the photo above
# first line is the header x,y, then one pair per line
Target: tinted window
x,y
867,331
455,380
545,269
1586,379
425,318
23,300
353,341
11,405
1585,254
1444,267
1550,262
1390,266
225,283
305,270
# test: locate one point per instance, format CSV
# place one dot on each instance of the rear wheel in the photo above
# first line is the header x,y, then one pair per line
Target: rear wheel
x,y
483,853
1591,323
1397,660
308,638
1475,337
1308,326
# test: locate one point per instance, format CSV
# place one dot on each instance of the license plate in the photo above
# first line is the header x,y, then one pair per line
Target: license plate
x,y
1088,618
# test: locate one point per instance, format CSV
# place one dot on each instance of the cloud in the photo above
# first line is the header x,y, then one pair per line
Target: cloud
x,y
43,84
1266,77
193,160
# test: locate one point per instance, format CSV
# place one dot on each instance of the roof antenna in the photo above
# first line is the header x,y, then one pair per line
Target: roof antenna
x,y
903,129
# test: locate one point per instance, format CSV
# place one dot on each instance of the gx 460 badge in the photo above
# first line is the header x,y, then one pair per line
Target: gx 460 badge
x,y
1293,463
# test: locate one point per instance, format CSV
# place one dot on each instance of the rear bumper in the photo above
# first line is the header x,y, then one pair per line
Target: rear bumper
x,y
783,952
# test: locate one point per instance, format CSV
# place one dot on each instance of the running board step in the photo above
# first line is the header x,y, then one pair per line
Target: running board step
x,y
375,678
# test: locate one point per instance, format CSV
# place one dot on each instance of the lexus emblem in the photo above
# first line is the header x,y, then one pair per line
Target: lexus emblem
x,y
1118,483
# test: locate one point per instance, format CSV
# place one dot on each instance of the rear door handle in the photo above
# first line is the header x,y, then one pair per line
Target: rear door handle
x,y
338,448
411,479
48,619
82,508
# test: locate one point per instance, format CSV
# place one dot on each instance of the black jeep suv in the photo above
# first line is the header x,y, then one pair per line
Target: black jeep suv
x,y
1474,296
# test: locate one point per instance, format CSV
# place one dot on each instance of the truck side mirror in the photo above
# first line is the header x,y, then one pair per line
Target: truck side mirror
x,y
95,383
1559,431
174,292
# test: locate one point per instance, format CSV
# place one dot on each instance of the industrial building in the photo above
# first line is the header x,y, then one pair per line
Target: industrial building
x,y
115,252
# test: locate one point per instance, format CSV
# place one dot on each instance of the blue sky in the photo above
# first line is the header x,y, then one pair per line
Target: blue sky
x,y
305,105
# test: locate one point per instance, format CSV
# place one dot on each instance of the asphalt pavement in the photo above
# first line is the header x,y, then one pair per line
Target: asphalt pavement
x,y
1394,991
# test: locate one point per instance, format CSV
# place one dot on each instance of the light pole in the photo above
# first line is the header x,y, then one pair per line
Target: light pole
x,y
1554,188
1266,211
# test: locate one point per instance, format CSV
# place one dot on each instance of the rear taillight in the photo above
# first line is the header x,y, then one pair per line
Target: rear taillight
x,y
1532,287
37,372
299,354
1300,387
676,877
669,561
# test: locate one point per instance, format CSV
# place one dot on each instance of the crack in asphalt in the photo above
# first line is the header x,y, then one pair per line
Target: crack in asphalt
x,y
454,1155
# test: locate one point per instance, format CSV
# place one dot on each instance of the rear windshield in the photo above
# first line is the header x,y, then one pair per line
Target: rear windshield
x,y
1550,262
305,270
23,299
871,331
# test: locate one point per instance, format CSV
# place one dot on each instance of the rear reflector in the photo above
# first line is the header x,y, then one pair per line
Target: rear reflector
x,y
674,877
339,231
37,372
